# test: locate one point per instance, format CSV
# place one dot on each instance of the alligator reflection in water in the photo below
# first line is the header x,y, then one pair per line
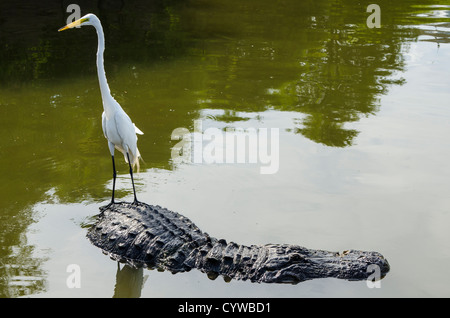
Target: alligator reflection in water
x,y
142,235
129,282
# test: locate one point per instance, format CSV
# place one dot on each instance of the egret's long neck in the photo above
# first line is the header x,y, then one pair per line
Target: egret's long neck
x,y
104,88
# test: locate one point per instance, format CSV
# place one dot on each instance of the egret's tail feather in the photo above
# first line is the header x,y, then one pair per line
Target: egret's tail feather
x,y
134,160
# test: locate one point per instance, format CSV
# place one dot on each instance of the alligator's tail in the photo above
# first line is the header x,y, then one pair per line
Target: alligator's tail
x,y
274,263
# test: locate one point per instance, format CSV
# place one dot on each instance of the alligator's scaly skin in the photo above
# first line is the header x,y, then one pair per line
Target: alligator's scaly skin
x,y
142,235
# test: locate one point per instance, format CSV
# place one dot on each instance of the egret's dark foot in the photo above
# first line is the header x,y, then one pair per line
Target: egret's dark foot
x,y
136,202
108,205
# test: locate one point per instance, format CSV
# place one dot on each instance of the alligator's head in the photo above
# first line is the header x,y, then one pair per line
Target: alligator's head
x,y
294,264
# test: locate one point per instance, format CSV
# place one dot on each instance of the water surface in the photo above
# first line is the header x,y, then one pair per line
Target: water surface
x,y
363,128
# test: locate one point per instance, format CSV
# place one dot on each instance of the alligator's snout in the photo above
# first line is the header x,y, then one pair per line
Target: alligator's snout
x,y
294,264
362,265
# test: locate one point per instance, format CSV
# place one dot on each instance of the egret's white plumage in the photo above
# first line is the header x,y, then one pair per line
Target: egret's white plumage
x,y
121,134
117,126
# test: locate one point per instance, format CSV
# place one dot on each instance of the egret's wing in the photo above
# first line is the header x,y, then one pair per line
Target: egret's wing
x,y
126,132
137,130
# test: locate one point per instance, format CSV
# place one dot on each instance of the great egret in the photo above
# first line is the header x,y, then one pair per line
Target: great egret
x,y
118,128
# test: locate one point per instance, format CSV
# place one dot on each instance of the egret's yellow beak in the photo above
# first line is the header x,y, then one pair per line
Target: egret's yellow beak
x,y
73,24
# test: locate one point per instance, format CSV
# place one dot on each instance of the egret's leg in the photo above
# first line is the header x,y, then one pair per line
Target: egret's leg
x,y
114,179
114,184
132,180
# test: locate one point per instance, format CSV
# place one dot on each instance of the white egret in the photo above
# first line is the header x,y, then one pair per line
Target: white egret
x,y
117,126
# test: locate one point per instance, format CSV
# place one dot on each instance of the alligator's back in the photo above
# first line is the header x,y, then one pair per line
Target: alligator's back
x,y
142,235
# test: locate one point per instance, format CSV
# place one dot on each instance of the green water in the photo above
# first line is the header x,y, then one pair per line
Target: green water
x,y
362,115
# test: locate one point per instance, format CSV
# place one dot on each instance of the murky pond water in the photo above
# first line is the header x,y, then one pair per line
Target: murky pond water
x,y
360,160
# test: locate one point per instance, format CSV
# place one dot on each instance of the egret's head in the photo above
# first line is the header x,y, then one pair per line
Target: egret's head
x,y
88,19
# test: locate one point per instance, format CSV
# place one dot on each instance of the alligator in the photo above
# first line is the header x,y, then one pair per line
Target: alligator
x,y
153,237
